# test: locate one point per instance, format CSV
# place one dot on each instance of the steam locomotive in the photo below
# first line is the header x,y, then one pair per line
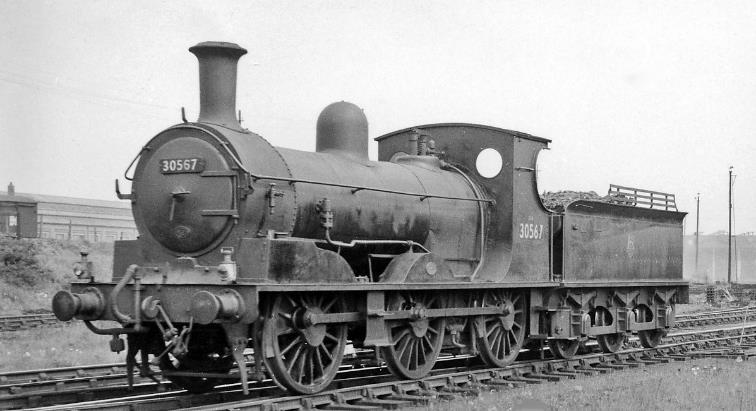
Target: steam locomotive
x,y
290,255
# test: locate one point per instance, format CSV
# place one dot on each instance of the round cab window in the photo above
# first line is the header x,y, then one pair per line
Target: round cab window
x,y
488,163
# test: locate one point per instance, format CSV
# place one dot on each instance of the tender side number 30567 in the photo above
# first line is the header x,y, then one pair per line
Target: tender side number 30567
x,y
531,231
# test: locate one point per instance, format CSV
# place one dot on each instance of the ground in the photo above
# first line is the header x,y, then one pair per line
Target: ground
x,y
704,384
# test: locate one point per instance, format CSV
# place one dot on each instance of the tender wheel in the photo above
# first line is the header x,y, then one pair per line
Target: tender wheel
x,y
583,348
503,335
564,348
207,354
651,338
304,357
608,343
415,343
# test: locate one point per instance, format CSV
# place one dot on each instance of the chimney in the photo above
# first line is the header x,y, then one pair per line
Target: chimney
x,y
217,76
11,189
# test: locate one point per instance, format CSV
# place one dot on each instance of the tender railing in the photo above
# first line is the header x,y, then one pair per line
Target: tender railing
x,y
638,197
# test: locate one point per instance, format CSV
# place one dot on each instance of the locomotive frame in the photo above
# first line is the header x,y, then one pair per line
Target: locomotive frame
x,y
294,254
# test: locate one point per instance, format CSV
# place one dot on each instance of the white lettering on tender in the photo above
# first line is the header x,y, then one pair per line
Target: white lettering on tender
x,y
531,231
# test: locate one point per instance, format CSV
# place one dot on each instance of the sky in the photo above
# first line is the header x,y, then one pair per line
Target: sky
x,y
648,94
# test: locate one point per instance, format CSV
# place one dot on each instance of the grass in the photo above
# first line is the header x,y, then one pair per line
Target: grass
x,y
31,272
704,384
38,268
47,347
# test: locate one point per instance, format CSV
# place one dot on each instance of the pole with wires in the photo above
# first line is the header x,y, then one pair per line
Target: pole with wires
x,y
729,231
698,214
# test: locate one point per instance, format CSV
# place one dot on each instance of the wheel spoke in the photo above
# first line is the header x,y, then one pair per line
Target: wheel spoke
x,y
498,333
294,342
286,331
407,352
402,346
294,359
416,352
327,334
319,356
302,359
421,351
327,353
492,329
498,345
291,301
401,335
507,344
311,360
495,341
512,337
330,304
427,340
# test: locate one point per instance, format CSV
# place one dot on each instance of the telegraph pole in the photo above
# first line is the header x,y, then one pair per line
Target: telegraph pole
x,y
729,233
698,214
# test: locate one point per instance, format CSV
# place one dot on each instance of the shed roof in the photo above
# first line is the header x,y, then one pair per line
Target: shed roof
x,y
44,198
5,198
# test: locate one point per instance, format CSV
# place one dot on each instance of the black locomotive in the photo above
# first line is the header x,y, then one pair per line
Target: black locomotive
x,y
292,254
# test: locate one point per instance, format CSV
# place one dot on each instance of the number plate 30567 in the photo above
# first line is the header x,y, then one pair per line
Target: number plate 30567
x,y
182,165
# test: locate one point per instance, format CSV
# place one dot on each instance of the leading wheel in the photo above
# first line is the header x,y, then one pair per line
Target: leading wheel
x,y
650,338
564,348
502,335
305,357
415,342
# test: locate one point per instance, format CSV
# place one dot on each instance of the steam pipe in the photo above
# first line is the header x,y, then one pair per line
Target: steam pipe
x,y
121,317
112,331
333,243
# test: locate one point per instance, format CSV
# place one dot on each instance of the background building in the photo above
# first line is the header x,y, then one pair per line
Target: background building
x,y
18,215
65,217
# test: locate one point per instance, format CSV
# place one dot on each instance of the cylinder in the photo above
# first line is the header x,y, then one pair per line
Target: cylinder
x,y
217,75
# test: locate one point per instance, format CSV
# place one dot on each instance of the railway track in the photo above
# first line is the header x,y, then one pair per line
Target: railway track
x,y
732,315
27,321
98,385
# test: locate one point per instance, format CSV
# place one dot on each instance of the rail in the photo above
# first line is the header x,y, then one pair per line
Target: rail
x,y
27,321
374,388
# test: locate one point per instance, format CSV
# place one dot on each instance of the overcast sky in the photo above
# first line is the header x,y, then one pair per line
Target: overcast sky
x,y
657,95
